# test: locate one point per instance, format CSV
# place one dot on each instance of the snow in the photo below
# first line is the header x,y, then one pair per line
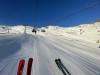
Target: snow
x,y
78,52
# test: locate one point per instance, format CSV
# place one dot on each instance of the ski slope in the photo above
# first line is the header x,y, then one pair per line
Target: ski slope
x,y
78,56
79,53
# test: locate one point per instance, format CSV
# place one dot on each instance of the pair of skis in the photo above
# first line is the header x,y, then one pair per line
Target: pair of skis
x,y
21,67
62,67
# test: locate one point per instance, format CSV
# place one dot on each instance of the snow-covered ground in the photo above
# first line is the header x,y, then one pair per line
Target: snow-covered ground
x,y
77,48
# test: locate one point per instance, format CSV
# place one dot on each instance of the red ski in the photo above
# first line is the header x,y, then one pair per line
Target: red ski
x,y
29,67
21,67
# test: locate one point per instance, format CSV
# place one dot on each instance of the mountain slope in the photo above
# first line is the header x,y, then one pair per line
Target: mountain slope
x,y
78,57
75,46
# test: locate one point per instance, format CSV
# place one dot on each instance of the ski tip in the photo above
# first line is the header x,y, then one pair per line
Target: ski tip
x,y
59,59
31,58
56,60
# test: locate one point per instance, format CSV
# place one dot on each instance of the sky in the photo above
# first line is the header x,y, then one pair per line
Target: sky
x,y
42,13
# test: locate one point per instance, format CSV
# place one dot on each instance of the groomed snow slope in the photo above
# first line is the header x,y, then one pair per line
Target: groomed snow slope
x,y
89,32
80,57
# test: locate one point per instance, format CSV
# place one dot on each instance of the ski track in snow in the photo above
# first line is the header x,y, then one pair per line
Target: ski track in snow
x,y
78,56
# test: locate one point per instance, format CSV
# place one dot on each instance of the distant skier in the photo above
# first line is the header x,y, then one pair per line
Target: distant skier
x,y
34,30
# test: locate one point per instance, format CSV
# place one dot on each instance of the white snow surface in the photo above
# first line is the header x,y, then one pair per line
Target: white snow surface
x,y
78,52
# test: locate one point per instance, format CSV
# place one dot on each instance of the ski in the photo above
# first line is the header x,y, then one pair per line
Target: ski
x,y
29,67
61,67
21,67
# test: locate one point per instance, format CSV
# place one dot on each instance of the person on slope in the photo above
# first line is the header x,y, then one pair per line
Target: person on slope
x,y
34,30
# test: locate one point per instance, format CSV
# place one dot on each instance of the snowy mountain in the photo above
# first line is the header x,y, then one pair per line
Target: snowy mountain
x,y
77,47
89,32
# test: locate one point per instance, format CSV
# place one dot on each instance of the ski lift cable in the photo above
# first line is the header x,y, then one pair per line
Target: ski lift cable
x,y
74,13
36,9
